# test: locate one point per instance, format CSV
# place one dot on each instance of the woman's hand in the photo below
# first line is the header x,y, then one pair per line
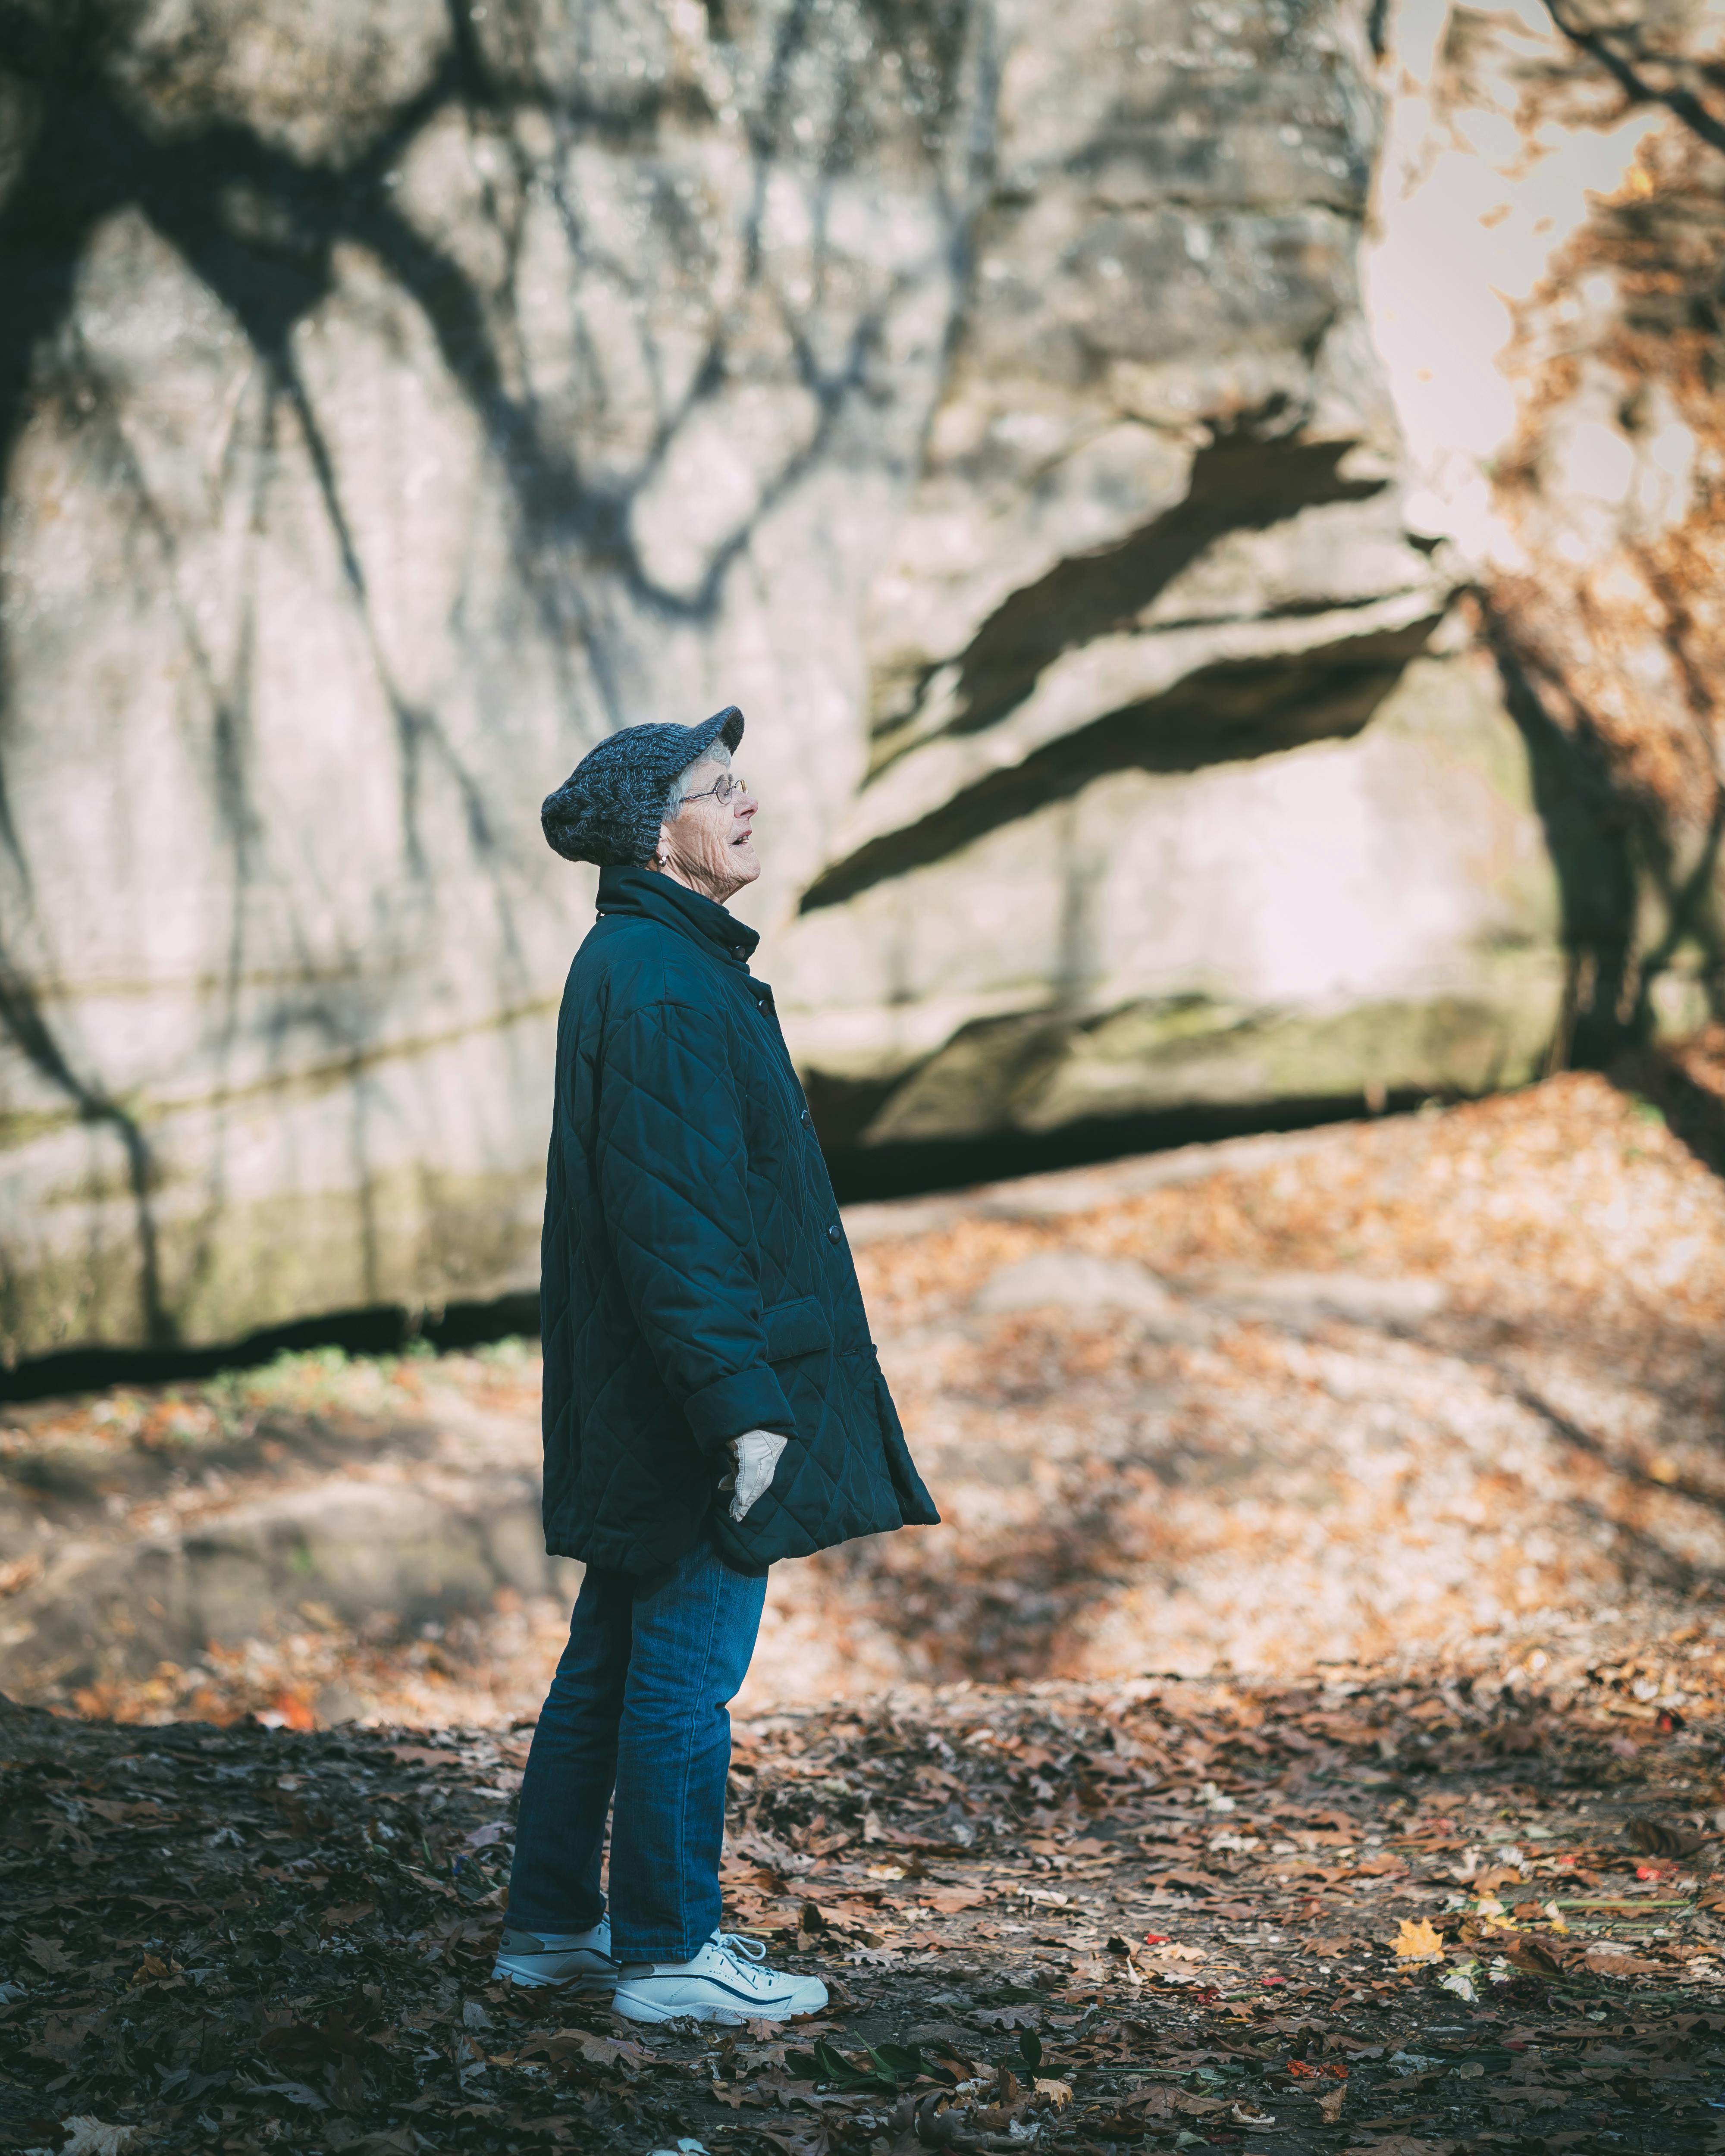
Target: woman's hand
x,y
755,1453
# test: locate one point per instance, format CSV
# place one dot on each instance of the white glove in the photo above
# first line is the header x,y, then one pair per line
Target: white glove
x,y
755,1453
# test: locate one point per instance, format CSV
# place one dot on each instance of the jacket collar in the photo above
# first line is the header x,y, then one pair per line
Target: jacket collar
x,y
646,892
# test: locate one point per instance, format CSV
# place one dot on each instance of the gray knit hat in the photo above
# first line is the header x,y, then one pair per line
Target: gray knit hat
x,y
610,806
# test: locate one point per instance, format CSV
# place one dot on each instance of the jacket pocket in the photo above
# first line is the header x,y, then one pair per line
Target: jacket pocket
x,y
796,1328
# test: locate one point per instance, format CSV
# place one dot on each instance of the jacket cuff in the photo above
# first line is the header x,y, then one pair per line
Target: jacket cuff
x,y
752,1399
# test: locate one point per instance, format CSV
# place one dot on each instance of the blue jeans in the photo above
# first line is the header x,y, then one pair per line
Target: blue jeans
x,y
638,1703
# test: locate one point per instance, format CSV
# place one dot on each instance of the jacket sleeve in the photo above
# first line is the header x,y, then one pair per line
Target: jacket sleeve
x,y
671,1163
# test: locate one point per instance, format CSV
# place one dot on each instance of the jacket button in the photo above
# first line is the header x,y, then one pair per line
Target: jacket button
x,y
807,1119
739,950
833,1233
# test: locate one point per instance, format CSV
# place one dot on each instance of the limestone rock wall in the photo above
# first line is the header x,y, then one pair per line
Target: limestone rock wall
x,y
1176,795
394,397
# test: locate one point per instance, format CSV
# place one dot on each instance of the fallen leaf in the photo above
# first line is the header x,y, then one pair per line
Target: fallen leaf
x,y
19,1574
1330,2103
1059,2093
1535,1956
1603,1958
1418,1940
86,2136
948,1901
607,2051
1406,2144
343,1914
48,1954
113,1811
300,2093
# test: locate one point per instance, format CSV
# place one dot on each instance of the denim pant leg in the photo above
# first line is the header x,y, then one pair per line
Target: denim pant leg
x,y
560,1834
693,1635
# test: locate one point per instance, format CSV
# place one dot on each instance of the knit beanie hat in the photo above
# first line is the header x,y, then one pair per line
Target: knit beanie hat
x,y
610,806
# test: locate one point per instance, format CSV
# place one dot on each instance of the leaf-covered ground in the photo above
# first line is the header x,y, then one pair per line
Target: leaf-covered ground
x,y
1434,1381
1426,1912
1304,1728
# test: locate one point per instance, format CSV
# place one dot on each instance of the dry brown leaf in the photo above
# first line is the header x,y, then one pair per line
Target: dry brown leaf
x,y
948,1901
1605,1959
1664,1838
607,2050
1405,2144
1539,1957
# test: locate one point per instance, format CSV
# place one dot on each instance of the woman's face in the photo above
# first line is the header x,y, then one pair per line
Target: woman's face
x,y
708,845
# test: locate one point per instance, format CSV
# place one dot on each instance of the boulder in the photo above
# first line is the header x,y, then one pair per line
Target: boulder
x,y
394,398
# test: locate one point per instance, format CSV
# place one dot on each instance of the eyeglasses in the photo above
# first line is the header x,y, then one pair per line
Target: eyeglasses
x,y
722,790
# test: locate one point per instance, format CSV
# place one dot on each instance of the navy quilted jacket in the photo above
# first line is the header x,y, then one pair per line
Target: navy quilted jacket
x,y
696,1283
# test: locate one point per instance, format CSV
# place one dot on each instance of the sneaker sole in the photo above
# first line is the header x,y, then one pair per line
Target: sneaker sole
x,y
532,1980
730,2017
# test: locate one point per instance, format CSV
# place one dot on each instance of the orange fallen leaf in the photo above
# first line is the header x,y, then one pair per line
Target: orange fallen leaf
x,y
296,1712
1418,1941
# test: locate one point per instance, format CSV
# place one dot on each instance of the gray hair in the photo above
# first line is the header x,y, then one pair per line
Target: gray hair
x,y
717,753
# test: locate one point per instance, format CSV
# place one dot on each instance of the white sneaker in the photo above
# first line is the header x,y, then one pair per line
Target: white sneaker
x,y
726,1982
578,1958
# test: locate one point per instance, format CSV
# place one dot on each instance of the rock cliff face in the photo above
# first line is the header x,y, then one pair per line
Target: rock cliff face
x,y
1545,291
394,397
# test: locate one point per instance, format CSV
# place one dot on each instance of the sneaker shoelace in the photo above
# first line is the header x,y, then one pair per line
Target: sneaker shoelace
x,y
746,1953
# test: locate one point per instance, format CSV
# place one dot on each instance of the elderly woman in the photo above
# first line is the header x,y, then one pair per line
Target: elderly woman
x,y
712,1401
